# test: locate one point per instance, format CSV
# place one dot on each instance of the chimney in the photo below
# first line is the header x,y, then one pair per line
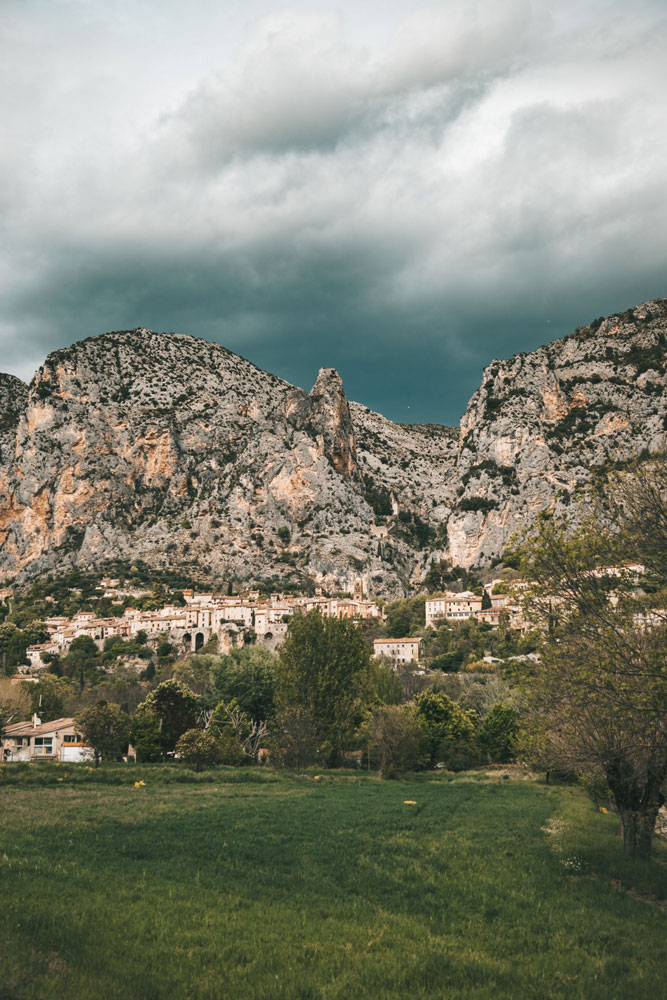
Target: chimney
x,y
36,721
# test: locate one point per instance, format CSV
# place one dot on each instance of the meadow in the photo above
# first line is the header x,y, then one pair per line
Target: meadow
x,y
263,885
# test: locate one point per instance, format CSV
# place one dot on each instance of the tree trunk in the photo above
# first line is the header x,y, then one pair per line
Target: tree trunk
x,y
638,827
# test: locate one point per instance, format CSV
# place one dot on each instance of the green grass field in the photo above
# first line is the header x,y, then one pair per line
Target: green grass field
x,y
248,884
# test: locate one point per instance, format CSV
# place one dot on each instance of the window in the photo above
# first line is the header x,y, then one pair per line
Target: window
x,y
43,746
70,738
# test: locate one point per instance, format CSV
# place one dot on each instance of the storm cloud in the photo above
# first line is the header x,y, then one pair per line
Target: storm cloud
x,y
403,194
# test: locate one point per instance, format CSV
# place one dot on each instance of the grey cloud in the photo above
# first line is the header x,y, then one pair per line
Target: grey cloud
x,y
472,185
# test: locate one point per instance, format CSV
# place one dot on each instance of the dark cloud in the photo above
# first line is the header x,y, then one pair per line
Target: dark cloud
x,y
403,204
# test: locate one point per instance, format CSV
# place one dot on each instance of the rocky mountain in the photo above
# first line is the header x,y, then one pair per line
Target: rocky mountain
x,y
173,450
541,423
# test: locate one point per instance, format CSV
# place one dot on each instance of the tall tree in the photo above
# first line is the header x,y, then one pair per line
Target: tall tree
x,y
176,709
107,728
323,672
599,694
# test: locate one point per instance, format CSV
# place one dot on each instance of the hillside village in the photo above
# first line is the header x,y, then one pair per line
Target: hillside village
x,y
231,622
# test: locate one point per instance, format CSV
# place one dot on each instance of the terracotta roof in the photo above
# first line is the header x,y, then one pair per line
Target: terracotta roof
x,y
27,729
375,641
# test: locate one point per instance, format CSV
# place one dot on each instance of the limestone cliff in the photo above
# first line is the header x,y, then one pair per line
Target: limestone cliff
x,y
541,422
178,452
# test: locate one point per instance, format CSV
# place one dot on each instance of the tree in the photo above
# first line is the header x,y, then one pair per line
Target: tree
x,y
321,676
384,686
14,703
450,730
396,738
82,660
50,696
176,708
249,734
598,697
296,737
107,728
486,601
248,676
199,747
499,734
145,735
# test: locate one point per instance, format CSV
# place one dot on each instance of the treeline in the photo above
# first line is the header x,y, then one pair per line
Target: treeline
x,y
323,700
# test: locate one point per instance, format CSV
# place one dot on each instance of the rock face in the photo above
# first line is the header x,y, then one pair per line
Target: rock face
x,y
541,422
173,450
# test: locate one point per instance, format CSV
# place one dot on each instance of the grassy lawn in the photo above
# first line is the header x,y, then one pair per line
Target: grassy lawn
x,y
248,884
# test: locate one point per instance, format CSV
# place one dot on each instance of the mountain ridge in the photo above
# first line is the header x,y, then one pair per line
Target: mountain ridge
x,y
172,449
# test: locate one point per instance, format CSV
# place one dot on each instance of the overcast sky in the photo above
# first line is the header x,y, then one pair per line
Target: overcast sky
x,y
400,192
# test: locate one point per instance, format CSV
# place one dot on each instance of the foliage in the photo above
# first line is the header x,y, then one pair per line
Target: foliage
x,y
383,684
146,736
51,697
599,695
199,747
83,660
248,676
450,730
106,728
498,734
321,677
404,616
176,708
249,735
396,739
14,703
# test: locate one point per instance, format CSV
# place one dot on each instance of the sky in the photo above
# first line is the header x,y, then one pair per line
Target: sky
x,y
401,192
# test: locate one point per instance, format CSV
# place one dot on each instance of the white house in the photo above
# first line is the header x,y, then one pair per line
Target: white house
x,y
37,740
399,651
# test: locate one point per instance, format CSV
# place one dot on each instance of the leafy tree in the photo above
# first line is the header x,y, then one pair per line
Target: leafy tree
x,y
50,697
199,747
82,660
396,738
107,728
322,672
499,733
404,615
13,645
486,601
450,730
248,676
176,707
14,703
599,694
296,737
383,685
146,736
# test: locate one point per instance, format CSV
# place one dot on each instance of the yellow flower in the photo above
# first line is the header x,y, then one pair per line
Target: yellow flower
x,y
409,802
61,779
603,810
317,777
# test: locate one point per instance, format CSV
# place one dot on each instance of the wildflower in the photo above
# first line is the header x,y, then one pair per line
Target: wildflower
x,y
317,777
409,802
603,810
139,784
61,779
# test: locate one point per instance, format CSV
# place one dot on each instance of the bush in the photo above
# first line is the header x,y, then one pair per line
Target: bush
x,y
498,735
396,738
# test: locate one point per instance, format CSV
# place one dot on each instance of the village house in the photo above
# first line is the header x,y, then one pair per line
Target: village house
x,y
463,605
435,609
35,740
399,651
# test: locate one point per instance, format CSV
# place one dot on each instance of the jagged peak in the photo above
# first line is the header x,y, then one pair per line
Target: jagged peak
x,y
328,380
